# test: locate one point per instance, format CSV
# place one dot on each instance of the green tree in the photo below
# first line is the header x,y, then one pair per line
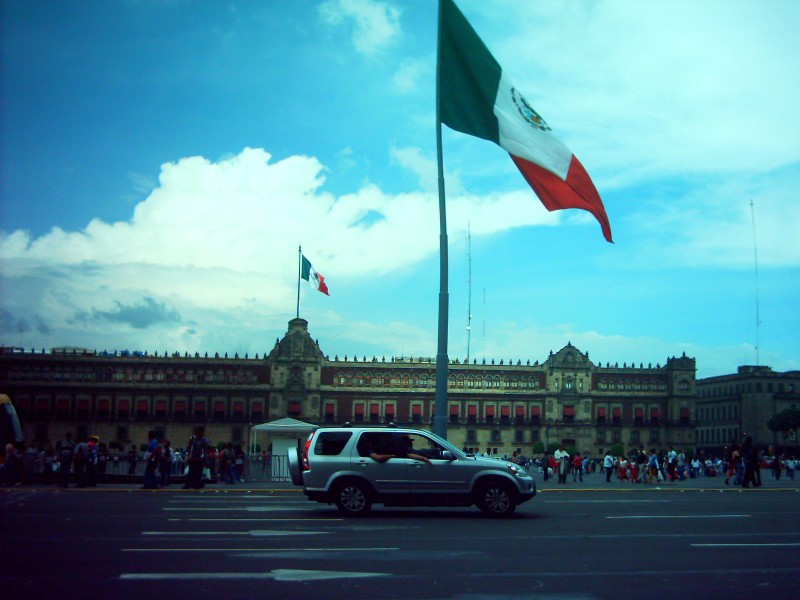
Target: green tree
x,y
785,422
538,447
617,450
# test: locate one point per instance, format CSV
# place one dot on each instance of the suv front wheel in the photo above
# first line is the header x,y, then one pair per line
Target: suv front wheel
x,y
496,499
352,498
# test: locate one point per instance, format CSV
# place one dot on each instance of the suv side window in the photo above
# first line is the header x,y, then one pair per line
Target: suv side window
x,y
331,443
418,444
375,441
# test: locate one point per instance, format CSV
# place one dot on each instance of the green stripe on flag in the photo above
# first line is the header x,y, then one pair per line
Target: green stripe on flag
x,y
469,77
306,270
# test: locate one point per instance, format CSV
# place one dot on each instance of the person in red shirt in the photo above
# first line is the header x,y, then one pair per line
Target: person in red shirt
x,y
622,465
634,470
577,467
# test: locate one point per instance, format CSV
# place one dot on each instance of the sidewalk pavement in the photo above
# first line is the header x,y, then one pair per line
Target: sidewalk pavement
x,y
594,482
597,482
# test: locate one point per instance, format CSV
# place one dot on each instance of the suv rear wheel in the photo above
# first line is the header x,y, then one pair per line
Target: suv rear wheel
x,y
496,499
352,498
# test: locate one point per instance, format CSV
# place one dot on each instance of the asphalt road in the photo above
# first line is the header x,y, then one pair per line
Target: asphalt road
x,y
124,542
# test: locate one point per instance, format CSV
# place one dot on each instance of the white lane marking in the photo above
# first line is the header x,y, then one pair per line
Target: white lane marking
x,y
239,496
240,501
253,519
241,508
602,501
746,545
305,507
260,549
253,532
680,517
277,575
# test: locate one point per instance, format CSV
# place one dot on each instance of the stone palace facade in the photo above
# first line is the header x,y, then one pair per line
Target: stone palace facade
x,y
502,406
731,406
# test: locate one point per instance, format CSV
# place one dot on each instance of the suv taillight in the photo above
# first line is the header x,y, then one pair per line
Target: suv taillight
x,y
306,466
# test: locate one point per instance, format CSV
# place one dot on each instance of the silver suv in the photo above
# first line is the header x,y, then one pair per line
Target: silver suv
x,y
355,467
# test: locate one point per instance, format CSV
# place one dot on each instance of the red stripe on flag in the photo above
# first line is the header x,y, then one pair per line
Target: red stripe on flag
x,y
322,287
577,191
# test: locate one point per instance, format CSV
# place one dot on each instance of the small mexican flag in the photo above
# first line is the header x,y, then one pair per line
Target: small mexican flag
x,y
313,277
476,98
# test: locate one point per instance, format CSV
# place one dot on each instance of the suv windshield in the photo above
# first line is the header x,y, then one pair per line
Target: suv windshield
x,y
446,445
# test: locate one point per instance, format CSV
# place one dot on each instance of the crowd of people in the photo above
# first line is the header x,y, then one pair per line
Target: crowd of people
x,y
201,460
740,465
82,461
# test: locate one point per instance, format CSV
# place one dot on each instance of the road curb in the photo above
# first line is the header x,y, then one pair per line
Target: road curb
x,y
58,490
668,489
298,490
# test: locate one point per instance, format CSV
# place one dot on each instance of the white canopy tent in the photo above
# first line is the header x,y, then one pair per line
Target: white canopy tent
x,y
283,434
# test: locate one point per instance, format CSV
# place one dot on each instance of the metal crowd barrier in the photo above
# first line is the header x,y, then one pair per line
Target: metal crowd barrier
x,y
256,468
276,468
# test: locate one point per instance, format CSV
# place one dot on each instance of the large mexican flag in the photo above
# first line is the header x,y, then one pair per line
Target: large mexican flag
x,y
477,98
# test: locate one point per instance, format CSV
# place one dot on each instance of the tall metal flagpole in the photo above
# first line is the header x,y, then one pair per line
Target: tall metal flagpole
x,y
299,275
440,418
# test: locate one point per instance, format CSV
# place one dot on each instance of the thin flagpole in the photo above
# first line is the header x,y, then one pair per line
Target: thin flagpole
x,y
440,418
299,275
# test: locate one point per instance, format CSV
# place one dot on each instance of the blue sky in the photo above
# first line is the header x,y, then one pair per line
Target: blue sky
x,y
162,161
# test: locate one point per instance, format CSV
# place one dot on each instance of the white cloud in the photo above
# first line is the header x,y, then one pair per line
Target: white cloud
x,y
246,215
647,89
680,111
208,261
376,25
711,223
406,79
424,167
345,159
533,341
222,237
142,183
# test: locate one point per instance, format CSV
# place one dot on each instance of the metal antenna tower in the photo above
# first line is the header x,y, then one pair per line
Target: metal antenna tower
x,y
755,256
469,290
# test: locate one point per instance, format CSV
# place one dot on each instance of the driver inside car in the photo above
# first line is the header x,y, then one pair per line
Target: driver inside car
x,y
406,450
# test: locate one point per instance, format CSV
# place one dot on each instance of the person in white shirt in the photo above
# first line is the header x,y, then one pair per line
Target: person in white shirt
x,y
562,457
791,465
695,467
608,465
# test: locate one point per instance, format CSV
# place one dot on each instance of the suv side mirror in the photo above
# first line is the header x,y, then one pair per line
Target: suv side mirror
x,y
447,455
